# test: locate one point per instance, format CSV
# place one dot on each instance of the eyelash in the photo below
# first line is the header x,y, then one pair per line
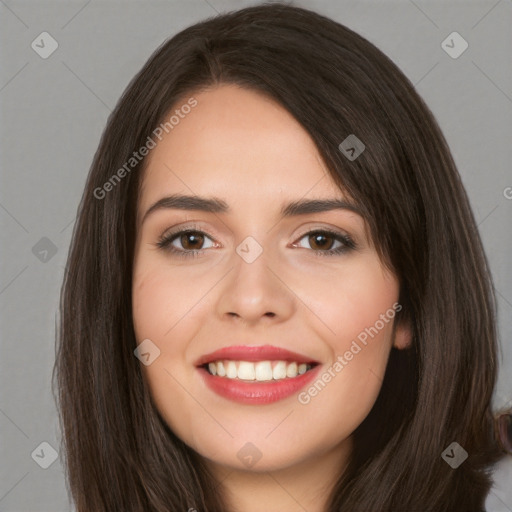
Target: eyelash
x,y
165,241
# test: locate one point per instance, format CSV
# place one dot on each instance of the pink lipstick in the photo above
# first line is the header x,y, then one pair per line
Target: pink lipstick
x,y
256,374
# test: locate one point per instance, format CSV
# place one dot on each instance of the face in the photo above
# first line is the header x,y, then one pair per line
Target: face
x,y
298,302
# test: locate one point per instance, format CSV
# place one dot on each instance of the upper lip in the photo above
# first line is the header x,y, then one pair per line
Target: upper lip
x,y
254,353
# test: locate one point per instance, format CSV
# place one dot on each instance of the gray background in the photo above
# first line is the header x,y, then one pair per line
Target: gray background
x,y
53,112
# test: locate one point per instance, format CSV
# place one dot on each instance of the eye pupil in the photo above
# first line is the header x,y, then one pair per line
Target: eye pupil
x,y
314,240
194,238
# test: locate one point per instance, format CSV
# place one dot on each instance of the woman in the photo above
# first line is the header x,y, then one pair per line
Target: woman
x,y
208,358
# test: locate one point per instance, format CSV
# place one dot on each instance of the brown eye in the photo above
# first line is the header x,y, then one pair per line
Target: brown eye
x,y
321,241
191,240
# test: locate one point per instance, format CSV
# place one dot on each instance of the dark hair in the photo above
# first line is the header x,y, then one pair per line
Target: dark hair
x,y
120,454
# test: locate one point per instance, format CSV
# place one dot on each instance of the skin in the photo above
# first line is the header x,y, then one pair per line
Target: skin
x,y
242,147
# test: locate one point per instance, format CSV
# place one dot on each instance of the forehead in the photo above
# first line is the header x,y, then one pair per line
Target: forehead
x,y
238,144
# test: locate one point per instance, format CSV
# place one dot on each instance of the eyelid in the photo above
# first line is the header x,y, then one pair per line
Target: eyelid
x,y
331,230
195,226
348,242
167,238
185,227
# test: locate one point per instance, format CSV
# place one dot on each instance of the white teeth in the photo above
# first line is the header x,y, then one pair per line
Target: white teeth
x,y
221,371
246,371
291,370
231,371
279,371
261,371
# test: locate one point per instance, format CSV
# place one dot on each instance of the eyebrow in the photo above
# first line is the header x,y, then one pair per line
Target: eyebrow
x,y
216,205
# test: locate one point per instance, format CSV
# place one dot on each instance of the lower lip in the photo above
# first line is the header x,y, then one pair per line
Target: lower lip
x,y
254,392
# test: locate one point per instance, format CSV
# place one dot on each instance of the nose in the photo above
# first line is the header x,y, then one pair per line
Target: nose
x,y
254,292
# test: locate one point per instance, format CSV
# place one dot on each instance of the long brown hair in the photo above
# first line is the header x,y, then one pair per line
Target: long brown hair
x,y
119,452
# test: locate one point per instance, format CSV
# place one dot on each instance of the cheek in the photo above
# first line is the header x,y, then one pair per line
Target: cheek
x,y
164,301
157,310
152,305
357,305
162,314
353,299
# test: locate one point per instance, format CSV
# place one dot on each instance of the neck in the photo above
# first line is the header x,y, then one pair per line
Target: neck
x,y
305,486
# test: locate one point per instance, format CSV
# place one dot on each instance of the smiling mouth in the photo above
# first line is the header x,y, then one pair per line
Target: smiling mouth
x,y
256,374
257,371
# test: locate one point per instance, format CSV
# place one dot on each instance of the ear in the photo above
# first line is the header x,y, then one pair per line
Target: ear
x,y
402,334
